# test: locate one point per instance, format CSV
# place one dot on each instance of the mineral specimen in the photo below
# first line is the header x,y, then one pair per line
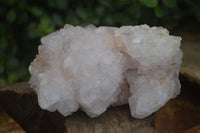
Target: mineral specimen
x,y
92,68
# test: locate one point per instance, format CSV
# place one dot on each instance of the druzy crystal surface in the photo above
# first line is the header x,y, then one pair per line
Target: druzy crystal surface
x,y
93,68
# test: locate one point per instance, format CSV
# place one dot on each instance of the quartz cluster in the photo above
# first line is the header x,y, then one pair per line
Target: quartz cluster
x,y
92,68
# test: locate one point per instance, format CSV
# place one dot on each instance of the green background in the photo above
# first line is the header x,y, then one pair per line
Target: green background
x,y
24,22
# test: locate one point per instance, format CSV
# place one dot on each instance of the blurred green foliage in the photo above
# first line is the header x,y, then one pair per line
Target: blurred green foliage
x,y
24,22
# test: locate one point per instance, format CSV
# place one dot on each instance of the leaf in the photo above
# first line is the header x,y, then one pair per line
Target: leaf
x,y
36,11
108,20
11,16
62,4
149,3
11,78
81,12
170,3
100,10
45,26
3,44
105,3
58,4
32,31
57,19
197,13
51,3
158,12
10,2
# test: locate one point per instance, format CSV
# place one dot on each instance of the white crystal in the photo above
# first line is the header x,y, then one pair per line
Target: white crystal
x,y
92,68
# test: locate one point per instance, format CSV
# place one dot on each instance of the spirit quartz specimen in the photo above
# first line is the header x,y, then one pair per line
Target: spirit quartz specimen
x,y
93,68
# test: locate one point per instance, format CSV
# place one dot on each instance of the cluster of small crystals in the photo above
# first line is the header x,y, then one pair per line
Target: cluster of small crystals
x,y
92,68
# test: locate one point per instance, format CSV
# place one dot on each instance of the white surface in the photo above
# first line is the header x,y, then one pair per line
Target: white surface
x,y
85,68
